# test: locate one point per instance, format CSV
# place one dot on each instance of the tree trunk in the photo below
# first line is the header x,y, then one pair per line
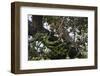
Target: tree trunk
x,y
37,22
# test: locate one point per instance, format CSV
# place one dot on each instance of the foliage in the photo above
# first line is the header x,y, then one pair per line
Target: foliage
x,y
61,38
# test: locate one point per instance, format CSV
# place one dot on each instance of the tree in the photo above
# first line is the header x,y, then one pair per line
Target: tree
x,y
58,37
